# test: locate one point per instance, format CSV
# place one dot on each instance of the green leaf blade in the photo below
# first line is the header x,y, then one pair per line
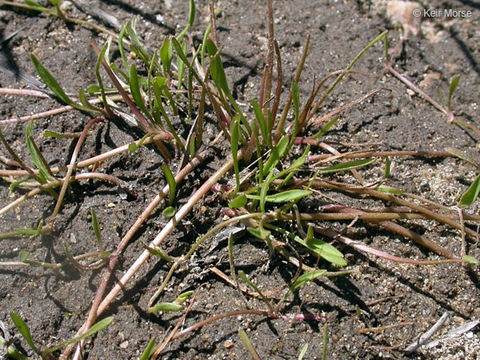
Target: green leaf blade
x,y
348,165
165,307
288,195
471,195
50,81
24,330
304,278
93,330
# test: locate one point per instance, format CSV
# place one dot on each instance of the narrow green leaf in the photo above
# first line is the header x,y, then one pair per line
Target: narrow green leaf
x,y
137,46
471,195
463,156
121,48
103,54
93,89
453,86
23,255
136,92
156,251
296,100
14,184
303,352
216,67
254,287
304,278
165,307
28,231
387,167
181,68
348,165
183,297
169,212
38,7
310,235
44,171
259,233
470,259
234,132
326,251
166,55
325,340
277,153
86,104
321,248
247,343
204,43
96,229
264,187
300,161
10,351
191,19
148,350
50,81
24,330
390,190
134,145
48,133
289,195
179,50
171,182
440,97
261,120
238,202
325,129
93,330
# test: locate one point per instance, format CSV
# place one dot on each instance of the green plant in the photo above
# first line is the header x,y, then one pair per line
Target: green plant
x,y
47,353
160,89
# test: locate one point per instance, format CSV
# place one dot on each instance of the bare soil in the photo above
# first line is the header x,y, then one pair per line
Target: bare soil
x,y
377,293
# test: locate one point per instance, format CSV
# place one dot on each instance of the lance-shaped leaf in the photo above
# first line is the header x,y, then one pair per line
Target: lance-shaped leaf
x,y
348,165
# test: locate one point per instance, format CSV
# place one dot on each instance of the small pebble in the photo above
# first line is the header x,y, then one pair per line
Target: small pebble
x,y
66,6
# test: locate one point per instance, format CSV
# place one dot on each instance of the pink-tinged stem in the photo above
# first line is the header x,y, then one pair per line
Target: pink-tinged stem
x,y
50,112
92,160
384,255
23,92
181,213
71,167
419,91
128,236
